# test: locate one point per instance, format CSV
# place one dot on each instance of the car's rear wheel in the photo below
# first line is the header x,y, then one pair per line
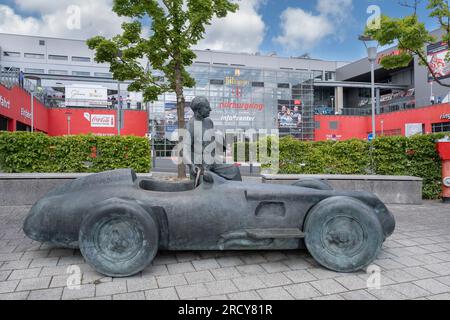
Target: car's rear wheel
x,y
119,239
313,184
343,234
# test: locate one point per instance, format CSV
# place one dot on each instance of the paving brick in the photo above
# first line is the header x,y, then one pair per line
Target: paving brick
x,y
85,291
99,298
10,256
44,262
302,291
199,277
432,286
217,297
443,296
252,258
192,291
130,296
420,272
410,290
321,273
272,267
153,271
225,273
16,265
24,274
249,283
408,261
141,284
221,287
4,275
33,284
297,264
164,259
332,297
110,288
61,253
274,279
387,293
59,281
8,286
274,294
15,295
442,269
358,295
205,264
46,294
53,271
300,276
251,270
352,282
162,294
398,276
247,295
171,280
178,268
229,261
328,286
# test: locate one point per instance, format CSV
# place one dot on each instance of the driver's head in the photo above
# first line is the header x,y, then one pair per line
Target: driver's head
x,y
201,107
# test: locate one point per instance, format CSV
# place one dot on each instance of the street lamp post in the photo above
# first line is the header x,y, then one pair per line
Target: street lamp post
x,y
372,47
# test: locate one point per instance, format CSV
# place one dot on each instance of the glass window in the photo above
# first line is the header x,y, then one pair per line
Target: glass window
x,y
258,84
103,74
216,82
318,75
34,55
42,42
81,59
81,73
330,75
32,70
11,54
284,85
57,57
62,72
441,127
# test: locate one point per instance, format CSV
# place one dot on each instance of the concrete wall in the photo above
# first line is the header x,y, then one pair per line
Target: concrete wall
x,y
24,189
390,189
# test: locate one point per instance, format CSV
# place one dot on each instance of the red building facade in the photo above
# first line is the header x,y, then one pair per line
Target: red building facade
x,y
16,115
434,118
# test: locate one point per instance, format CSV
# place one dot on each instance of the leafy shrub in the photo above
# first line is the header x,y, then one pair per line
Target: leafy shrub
x,y
37,152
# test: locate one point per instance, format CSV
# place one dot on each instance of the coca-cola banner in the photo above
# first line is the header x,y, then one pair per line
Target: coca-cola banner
x,y
436,54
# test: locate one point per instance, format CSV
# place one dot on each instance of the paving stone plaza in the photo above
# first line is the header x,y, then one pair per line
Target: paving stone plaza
x,y
414,264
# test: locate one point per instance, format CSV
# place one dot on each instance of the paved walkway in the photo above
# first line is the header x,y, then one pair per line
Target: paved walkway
x,y
414,264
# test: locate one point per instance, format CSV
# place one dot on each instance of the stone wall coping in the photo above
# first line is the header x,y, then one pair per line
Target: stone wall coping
x,y
339,177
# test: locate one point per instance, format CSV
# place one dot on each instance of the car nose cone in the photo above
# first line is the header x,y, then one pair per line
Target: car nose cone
x,y
34,224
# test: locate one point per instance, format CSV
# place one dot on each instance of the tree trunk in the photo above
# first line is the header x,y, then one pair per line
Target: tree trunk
x,y
180,114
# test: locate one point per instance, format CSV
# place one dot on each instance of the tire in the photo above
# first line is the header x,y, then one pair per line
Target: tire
x,y
313,184
119,239
343,234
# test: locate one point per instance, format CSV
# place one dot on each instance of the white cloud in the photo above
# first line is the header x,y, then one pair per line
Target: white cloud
x,y
302,30
52,18
242,31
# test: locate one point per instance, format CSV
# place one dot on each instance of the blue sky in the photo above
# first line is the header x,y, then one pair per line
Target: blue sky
x,y
326,29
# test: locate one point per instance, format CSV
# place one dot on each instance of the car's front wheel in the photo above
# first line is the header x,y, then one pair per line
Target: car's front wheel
x,y
118,238
343,234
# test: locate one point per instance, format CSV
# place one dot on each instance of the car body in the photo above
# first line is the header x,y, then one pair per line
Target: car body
x,y
216,215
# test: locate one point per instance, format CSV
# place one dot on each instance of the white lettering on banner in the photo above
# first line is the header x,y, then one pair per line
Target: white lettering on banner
x,y
25,113
102,121
445,116
4,103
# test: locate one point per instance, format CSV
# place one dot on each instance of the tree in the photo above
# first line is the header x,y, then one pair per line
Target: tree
x,y
176,26
412,37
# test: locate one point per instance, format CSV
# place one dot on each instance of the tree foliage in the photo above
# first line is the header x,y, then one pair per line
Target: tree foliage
x,y
176,26
412,37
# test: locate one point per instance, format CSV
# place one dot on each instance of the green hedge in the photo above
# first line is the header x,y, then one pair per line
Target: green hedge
x,y
37,152
415,156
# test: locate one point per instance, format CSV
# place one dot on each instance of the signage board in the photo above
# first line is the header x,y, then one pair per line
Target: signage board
x,y
86,96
